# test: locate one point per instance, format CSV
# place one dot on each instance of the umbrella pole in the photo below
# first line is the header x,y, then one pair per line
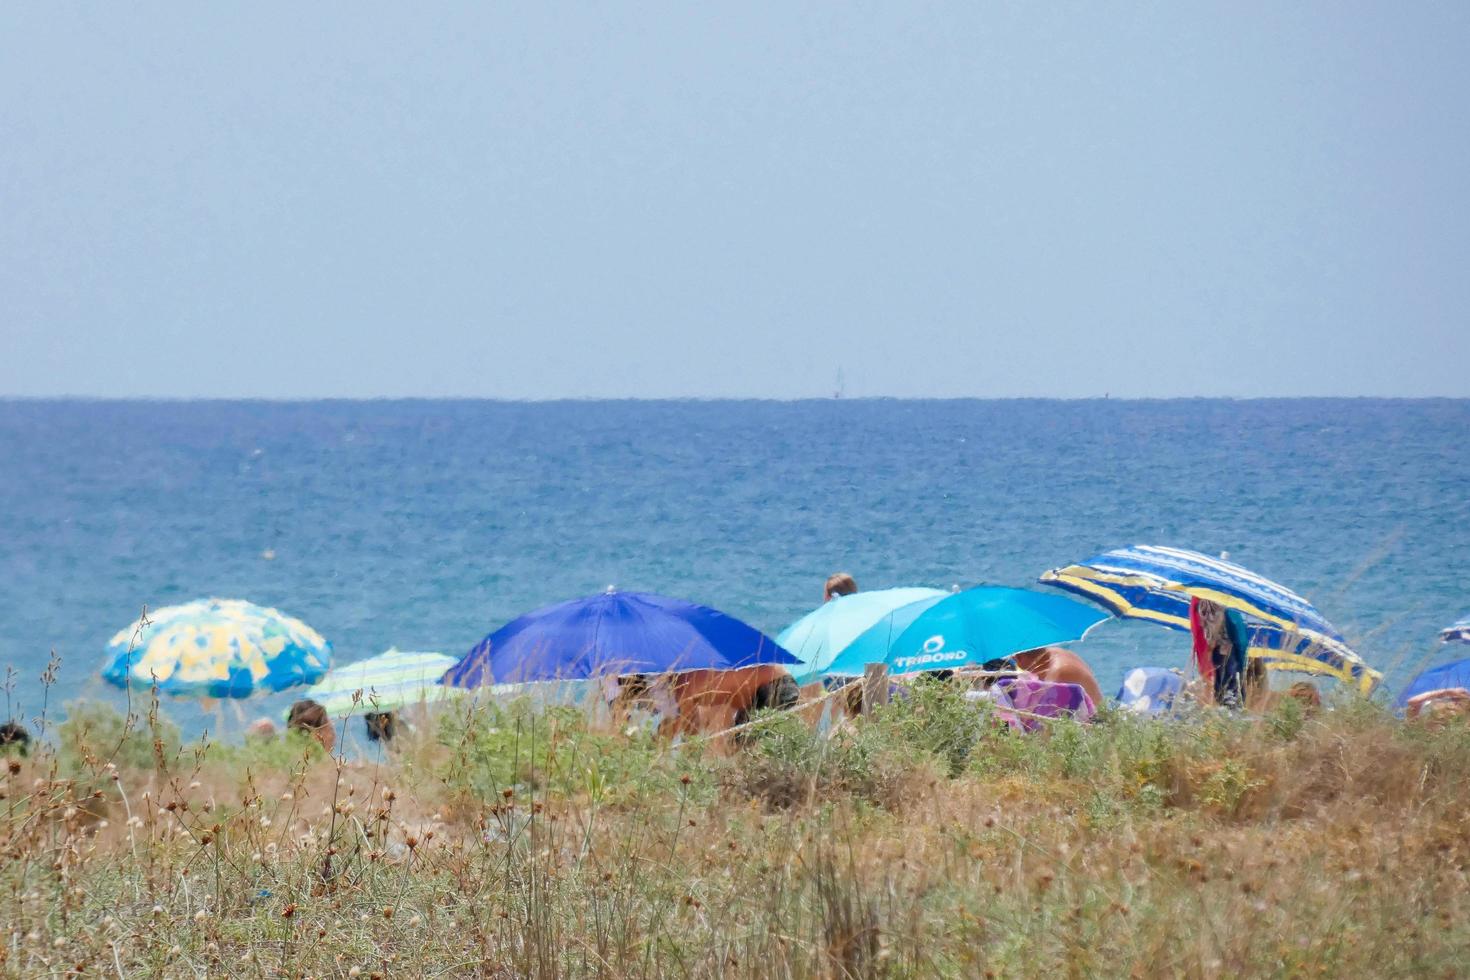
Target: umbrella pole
x,y
875,686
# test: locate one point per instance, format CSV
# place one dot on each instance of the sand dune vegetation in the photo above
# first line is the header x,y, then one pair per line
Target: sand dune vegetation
x,y
923,840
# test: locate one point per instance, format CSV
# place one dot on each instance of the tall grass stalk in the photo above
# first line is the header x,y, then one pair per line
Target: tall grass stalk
x,y
505,840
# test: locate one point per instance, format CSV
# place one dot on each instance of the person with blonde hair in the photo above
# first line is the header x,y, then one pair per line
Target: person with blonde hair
x,y
262,729
838,584
1305,694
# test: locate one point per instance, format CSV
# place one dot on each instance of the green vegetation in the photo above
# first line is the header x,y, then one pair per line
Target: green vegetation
x,y
921,841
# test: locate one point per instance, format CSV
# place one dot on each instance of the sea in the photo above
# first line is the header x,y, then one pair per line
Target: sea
x,y
427,524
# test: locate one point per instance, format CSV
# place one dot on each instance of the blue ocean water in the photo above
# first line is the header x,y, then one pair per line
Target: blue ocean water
x,y
426,524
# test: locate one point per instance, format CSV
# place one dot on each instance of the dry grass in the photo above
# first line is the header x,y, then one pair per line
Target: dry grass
x,y
922,842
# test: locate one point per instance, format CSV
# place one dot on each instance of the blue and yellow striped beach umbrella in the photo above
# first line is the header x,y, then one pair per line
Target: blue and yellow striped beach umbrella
x,y
1155,584
217,648
393,679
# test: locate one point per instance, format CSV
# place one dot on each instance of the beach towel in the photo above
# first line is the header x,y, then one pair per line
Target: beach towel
x,y
1202,658
1150,690
1230,668
1038,697
1220,645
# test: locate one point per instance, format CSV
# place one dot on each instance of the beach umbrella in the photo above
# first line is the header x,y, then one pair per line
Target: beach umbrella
x,y
1456,673
1459,632
1156,584
963,628
391,680
217,648
613,634
819,636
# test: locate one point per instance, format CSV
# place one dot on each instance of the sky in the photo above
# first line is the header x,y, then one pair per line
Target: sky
x,y
549,200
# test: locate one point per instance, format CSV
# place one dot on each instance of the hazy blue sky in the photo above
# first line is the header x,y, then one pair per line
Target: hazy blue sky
x,y
719,199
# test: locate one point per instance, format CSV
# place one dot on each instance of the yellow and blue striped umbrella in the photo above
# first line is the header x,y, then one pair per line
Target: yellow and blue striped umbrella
x,y
393,679
1156,584
217,648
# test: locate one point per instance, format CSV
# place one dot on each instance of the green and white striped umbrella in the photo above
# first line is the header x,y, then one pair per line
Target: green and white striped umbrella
x,y
393,679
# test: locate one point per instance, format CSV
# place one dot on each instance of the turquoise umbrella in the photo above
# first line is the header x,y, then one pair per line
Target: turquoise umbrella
x,y
818,637
217,648
966,628
393,679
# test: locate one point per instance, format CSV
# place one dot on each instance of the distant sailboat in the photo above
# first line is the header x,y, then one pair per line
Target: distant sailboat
x,y
841,385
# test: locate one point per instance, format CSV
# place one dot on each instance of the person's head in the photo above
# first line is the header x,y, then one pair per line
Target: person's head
x,y
310,718
1212,619
988,670
14,738
839,584
780,694
936,677
261,728
380,725
633,691
1306,693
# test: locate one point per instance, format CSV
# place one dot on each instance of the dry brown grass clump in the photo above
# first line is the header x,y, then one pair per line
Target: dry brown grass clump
x,y
924,842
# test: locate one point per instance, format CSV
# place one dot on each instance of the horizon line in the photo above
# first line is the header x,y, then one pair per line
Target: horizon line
x,y
710,399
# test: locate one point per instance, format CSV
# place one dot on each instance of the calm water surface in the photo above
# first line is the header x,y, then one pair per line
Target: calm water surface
x,y
427,524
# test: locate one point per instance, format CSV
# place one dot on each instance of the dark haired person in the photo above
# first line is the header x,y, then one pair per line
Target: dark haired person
x,y
310,718
381,725
15,738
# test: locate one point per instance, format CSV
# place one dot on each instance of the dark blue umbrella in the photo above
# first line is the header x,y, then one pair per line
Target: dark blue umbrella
x,y
612,634
1456,673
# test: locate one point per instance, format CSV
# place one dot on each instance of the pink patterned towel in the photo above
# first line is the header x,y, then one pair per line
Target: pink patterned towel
x,y
1040,697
